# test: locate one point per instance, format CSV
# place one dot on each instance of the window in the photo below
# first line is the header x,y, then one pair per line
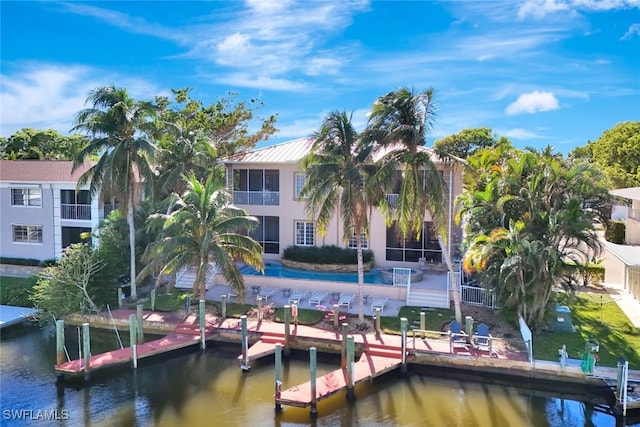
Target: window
x,y
27,233
26,196
412,248
256,186
305,233
353,242
300,179
267,233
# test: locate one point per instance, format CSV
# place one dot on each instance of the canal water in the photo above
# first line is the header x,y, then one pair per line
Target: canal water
x,y
195,388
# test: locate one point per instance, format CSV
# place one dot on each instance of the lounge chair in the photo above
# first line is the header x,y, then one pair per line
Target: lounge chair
x,y
456,335
265,293
346,299
231,294
378,302
316,298
482,338
297,296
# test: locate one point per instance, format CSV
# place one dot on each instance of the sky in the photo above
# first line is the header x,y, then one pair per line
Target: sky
x,y
541,72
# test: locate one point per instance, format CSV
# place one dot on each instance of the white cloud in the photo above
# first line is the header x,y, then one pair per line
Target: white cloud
x,y
634,30
533,102
540,8
518,133
260,82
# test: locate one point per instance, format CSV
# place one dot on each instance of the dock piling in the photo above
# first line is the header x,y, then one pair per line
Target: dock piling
x,y
278,384
351,393
314,394
201,315
378,314
403,326
133,336
86,350
153,300
59,342
468,327
223,303
139,330
259,308
336,316
343,354
287,329
244,364
120,297
423,323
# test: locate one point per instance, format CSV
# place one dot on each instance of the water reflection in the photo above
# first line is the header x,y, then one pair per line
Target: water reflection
x,y
193,389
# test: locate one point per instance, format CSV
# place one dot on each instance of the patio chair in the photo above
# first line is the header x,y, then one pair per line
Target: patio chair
x,y
456,335
265,293
482,338
316,298
378,302
231,294
346,299
297,296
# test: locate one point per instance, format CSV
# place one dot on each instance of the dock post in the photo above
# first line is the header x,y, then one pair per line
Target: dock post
x,y
259,308
86,350
403,326
59,342
120,297
133,336
336,316
201,313
343,355
153,300
140,332
378,314
423,323
351,393
223,303
314,394
278,384
244,364
468,327
287,329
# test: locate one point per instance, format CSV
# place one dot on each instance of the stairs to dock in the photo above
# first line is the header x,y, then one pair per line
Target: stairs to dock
x,y
428,298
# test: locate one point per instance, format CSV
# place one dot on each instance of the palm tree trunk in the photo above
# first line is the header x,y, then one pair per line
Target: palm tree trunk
x,y
132,246
454,288
360,280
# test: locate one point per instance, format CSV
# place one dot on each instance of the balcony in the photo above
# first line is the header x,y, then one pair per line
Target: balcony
x,y
82,212
392,199
269,198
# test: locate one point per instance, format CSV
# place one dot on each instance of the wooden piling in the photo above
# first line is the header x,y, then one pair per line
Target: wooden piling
x,y
120,297
287,329
153,300
60,342
423,323
259,298
351,393
343,354
139,326
314,394
201,315
244,364
223,303
468,327
86,350
336,316
404,326
378,314
278,384
133,336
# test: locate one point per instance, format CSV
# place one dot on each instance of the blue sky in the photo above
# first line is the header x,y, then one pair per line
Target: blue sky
x,y
549,72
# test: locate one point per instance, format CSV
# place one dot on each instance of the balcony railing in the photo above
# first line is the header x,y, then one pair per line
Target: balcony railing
x,y
271,198
392,199
75,211
109,207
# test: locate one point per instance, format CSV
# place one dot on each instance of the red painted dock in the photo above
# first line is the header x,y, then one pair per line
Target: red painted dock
x,y
265,346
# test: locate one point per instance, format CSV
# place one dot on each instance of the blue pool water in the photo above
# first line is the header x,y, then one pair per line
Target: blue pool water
x,y
277,270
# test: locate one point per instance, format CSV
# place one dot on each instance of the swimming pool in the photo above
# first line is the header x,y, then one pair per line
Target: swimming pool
x,y
278,270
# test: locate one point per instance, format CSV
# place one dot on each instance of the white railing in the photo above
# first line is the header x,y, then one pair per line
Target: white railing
x,y
270,198
392,199
474,295
69,211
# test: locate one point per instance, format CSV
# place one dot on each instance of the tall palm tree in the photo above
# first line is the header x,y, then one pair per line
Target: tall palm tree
x,y
338,171
116,125
400,121
204,231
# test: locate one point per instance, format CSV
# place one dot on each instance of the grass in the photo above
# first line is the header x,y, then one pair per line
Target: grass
x,y
16,290
435,319
168,301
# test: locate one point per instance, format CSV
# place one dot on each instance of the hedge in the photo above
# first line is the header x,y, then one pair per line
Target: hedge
x,y
615,231
328,254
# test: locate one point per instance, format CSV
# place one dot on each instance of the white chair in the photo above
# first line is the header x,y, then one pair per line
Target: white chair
x,y
316,298
346,299
265,293
378,302
297,296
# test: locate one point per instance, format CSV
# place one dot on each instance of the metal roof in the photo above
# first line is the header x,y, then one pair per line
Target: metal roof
x,y
632,193
286,152
40,171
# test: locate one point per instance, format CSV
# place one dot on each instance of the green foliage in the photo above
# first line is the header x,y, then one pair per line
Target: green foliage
x,y
465,143
48,262
615,232
40,144
29,262
16,290
327,254
307,317
168,301
435,319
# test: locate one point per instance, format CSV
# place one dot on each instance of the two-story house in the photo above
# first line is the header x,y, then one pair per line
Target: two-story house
x,y
41,212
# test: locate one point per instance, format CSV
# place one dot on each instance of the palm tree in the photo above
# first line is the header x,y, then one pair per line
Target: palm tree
x,y
400,121
115,124
204,231
338,171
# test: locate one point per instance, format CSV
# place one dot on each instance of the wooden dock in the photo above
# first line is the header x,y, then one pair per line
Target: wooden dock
x,y
265,346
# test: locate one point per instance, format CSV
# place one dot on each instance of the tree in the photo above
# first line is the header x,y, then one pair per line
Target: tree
x,y
40,144
204,231
400,121
617,153
466,143
116,125
529,225
339,172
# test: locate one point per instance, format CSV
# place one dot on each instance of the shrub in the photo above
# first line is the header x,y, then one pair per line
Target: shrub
x,y
31,262
328,254
615,231
16,291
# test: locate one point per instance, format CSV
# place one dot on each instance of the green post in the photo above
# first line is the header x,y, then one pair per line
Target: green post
x,y
314,394
378,314
201,313
278,384
351,394
343,358
336,316
86,350
244,364
139,330
187,305
259,308
132,340
153,300
403,326
59,342
423,323
287,329
468,327
223,303
120,297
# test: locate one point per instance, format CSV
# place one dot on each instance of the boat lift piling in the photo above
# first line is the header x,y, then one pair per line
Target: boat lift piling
x,y
86,350
139,330
201,313
312,372
343,353
278,384
132,340
351,393
287,330
403,326
59,342
244,363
